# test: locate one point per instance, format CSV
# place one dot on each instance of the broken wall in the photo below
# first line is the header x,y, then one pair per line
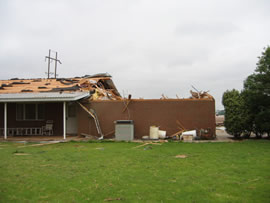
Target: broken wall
x,y
192,113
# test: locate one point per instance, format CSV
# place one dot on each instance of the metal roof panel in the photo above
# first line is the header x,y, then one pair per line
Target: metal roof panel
x,y
43,97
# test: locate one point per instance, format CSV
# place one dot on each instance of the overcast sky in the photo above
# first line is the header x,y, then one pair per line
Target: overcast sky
x,y
150,47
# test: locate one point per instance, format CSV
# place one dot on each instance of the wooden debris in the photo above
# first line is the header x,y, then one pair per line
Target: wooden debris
x,y
109,133
36,145
200,95
177,133
47,165
141,145
180,124
187,138
148,143
112,199
92,137
181,127
21,154
126,105
181,156
163,97
94,116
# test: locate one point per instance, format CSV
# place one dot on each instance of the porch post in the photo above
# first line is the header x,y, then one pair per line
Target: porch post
x,y
5,121
64,120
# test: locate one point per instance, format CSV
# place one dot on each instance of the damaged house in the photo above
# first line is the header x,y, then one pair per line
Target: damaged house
x,y
90,105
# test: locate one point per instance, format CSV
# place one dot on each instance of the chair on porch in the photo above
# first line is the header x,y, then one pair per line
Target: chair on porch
x,y
48,128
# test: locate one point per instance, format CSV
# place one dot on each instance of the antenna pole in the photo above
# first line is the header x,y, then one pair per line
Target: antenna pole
x,y
49,61
55,65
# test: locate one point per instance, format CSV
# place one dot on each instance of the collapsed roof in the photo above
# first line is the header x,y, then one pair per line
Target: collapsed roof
x,y
100,86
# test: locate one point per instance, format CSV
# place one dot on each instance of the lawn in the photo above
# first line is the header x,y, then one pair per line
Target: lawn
x,y
107,171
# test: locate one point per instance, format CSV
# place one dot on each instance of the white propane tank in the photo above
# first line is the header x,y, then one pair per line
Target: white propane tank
x,y
154,132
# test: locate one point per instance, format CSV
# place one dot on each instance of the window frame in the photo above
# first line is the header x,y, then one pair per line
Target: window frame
x,y
23,109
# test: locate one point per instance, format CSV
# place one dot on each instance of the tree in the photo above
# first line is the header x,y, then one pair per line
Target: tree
x,y
249,111
233,104
256,94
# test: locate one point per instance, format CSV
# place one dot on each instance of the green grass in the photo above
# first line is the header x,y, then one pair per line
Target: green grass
x,y
97,172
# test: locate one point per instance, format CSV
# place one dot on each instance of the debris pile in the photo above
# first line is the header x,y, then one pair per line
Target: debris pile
x,y
100,88
194,95
200,95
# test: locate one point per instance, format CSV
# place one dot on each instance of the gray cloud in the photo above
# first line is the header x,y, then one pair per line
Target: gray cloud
x,y
205,29
150,47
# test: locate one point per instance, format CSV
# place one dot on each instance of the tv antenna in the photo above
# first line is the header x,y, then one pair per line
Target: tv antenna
x,y
50,59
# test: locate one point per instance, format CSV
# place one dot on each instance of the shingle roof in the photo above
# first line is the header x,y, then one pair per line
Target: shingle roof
x,y
100,85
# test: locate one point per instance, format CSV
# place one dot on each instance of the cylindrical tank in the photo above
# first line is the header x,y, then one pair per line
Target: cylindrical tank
x,y
153,134
162,134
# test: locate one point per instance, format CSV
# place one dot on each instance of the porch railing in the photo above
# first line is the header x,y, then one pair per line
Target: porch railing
x,y
22,131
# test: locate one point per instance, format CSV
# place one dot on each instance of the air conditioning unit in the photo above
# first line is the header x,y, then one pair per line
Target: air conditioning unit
x,y
124,130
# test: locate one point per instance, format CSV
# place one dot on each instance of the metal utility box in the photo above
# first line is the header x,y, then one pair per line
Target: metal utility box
x,y
124,130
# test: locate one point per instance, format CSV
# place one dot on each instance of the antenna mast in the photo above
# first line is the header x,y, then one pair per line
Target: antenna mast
x,y
49,63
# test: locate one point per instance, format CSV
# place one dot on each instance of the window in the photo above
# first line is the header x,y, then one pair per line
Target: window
x,y
30,111
19,112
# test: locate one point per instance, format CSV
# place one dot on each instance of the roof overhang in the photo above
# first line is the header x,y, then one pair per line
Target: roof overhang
x,y
43,97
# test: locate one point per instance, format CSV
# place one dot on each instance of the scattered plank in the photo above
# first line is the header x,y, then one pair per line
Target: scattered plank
x,y
141,145
92,137
126,106
146,144
21,154
94,116
47,165
181,156
36,145
109,133
180,124
177,133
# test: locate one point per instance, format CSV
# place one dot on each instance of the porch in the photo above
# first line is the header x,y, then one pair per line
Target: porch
x,y
39,116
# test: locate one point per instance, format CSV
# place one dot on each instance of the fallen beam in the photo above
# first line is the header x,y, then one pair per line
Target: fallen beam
x,y
94,117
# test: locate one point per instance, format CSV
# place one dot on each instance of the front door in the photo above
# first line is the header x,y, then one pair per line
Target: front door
x,y
72,118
